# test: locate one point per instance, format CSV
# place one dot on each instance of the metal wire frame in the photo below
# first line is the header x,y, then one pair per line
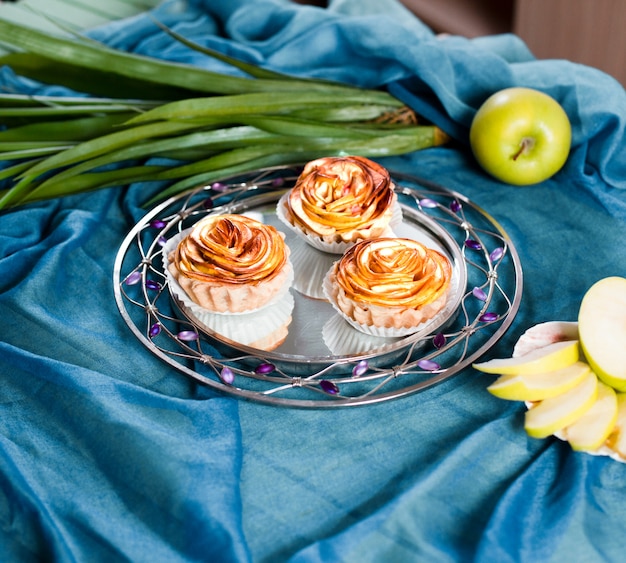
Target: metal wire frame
x,y
487,309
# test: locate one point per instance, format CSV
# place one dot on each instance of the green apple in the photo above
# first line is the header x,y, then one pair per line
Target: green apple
x,y
521,136
602,330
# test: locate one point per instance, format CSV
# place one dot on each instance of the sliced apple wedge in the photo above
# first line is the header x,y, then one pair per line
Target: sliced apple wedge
x,y
593,428
554,414
549,358
539,386
617,440
602,329
543,334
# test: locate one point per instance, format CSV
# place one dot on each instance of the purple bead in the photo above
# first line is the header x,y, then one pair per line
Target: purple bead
x,y
227,375
157,223
428,203
153,285
496,254
439,340
488,317
278,182
360,368
208,203
479,294
455,206
133,278
473,244
428,365
329,387
161,241
155,329
265,368
219,187
187,335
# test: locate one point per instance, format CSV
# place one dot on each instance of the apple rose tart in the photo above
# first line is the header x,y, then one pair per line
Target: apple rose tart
x,y
232,264
389,283
338,201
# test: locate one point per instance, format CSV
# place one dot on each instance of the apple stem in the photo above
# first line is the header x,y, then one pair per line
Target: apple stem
x,y
526,144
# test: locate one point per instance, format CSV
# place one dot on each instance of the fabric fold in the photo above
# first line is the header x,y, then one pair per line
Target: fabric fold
x,y
107,453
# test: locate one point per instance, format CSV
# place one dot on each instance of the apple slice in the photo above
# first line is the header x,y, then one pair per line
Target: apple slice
x,y
543,334
554,414
602,329
538,386
592,429
617,440
549,358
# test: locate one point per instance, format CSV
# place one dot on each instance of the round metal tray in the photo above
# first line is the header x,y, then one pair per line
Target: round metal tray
x,y
308,369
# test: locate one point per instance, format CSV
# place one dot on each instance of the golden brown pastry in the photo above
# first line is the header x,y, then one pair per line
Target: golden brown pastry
x,y
341,200
390,283
231,263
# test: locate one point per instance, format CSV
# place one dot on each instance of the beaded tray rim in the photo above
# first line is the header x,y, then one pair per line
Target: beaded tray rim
x,y
487,309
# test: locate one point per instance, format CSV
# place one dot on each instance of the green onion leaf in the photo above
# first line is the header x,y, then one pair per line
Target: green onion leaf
x,y
87,54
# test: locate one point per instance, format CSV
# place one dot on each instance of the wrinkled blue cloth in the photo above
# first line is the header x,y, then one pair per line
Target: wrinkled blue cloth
x,y
107,454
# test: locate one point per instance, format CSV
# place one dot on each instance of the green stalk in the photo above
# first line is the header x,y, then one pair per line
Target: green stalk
x,y
89,182
248,68
211,140
17,192
202,109
14,170
255,103
225,124
107,143
87,109
75,129
33,153
93,81
262,130
288,125
19,146
86,54
242,159
24,100
296,150
344,113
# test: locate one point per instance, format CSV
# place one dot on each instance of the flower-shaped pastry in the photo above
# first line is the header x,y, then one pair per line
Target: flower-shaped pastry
x,y
389,283
231,263
340,200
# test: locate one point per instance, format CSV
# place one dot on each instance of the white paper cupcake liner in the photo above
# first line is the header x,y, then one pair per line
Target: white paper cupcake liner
x,y
182,296
310,267
334,247
342,340
248,329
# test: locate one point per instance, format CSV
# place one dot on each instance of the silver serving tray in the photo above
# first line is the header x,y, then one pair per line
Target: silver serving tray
x,y
309,369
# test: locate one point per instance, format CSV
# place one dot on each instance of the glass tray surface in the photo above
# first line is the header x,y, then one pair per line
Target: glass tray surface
x,y
323,362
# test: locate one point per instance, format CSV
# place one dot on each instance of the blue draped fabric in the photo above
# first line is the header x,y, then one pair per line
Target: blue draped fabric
x,y
107,454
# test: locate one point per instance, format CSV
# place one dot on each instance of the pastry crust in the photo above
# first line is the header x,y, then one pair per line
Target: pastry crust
x,y
341,200
231,264
270,342
390,283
